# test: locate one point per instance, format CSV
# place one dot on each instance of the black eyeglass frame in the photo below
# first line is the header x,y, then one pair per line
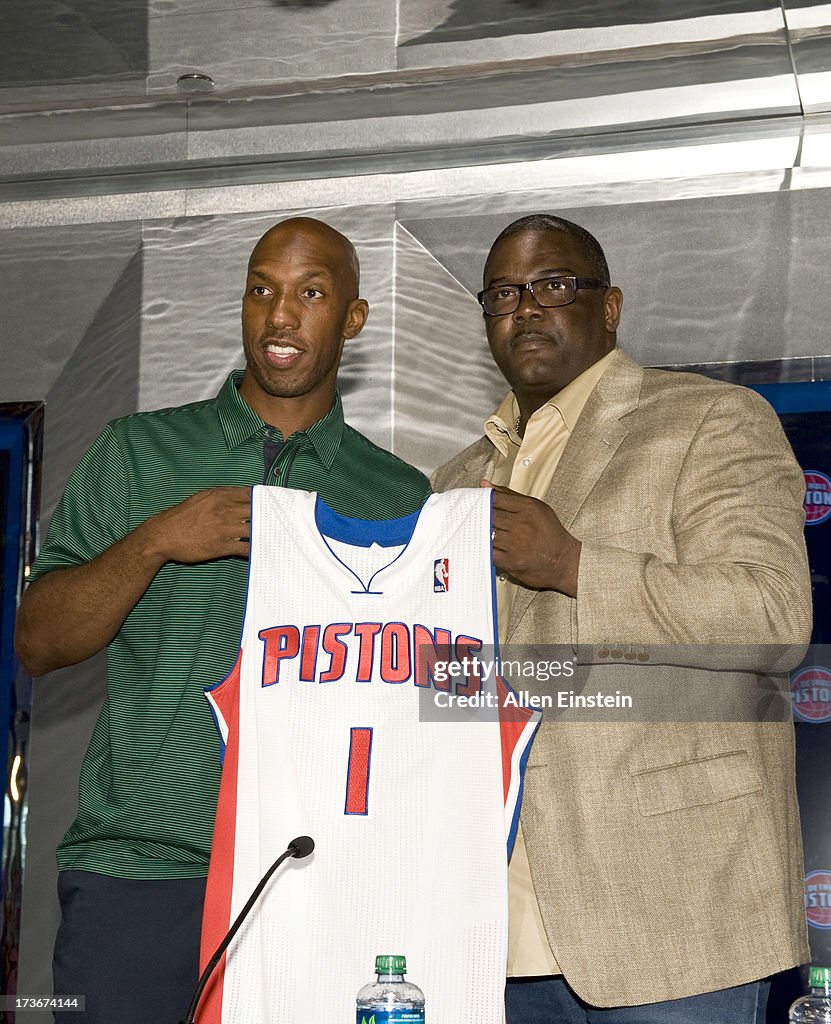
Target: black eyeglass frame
x,y
577,284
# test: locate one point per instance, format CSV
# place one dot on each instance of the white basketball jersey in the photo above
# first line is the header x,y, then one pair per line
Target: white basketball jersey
x,y
331,729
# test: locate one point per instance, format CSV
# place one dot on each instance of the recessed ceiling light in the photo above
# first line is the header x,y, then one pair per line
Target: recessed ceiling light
x,y
195,81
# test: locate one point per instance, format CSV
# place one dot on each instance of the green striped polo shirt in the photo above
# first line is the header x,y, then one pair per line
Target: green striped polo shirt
x,y
150,777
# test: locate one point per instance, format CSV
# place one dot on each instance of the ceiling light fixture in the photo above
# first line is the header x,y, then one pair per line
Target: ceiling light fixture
x,y
194,81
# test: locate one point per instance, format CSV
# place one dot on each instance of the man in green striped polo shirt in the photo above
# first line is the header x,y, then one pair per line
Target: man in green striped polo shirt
x,y
147,554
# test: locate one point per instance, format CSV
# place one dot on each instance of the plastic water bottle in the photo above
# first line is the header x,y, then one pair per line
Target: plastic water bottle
x,y
815,1008
390,999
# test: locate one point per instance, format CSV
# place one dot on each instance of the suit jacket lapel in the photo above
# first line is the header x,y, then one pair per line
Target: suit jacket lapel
x,y
595,439
479,466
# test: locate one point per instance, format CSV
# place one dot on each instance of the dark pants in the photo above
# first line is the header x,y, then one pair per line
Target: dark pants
x,y
131,948
551,1001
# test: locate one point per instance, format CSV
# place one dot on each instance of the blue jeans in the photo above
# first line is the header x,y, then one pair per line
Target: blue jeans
x,y
551,1001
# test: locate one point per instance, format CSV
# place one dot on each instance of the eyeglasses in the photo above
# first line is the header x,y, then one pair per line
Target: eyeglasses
x,y
548,291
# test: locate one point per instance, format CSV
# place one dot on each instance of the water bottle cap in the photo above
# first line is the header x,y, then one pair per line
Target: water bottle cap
x,y
819,977
390,964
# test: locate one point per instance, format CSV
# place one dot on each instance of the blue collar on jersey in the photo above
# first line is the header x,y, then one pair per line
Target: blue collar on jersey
x,y
364,533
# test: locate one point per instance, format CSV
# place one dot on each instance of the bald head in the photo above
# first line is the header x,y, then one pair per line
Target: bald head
x,y
340,251
299,307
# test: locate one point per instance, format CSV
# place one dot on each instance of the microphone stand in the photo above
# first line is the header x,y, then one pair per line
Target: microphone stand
x,y
299,848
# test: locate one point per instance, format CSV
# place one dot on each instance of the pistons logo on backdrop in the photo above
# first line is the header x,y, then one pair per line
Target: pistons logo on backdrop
x,y
811,694
441,576
818,898
817,497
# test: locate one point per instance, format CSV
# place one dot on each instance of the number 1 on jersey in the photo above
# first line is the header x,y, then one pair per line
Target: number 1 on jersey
x,y
357,773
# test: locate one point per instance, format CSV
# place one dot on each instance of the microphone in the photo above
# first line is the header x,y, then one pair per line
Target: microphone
x,y
301,847
298,848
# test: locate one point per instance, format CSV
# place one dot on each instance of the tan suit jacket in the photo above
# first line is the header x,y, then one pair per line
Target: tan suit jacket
x,y
666,856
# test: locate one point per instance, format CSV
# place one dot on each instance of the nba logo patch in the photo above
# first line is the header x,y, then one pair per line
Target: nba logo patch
x,y
441,575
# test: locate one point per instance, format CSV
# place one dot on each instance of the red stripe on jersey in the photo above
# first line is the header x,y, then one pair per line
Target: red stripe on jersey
x,y
512,723
217,916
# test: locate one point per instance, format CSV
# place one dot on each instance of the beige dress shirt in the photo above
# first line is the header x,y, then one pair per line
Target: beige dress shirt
x,y
527,464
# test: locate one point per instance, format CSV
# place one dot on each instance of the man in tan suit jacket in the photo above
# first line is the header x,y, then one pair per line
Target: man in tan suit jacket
x,y
658,534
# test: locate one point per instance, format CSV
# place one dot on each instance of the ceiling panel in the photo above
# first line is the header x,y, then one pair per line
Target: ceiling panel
x,y
809,31
244,45
362,86
83,46
442,21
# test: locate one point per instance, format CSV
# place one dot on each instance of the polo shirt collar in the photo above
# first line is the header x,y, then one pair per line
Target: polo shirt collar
x,y
238,419
240,422
326,433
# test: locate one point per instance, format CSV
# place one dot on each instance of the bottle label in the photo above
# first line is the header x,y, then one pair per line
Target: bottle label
x,y
401,1016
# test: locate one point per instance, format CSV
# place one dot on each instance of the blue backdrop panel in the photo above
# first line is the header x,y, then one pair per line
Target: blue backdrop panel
x,y
805,411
